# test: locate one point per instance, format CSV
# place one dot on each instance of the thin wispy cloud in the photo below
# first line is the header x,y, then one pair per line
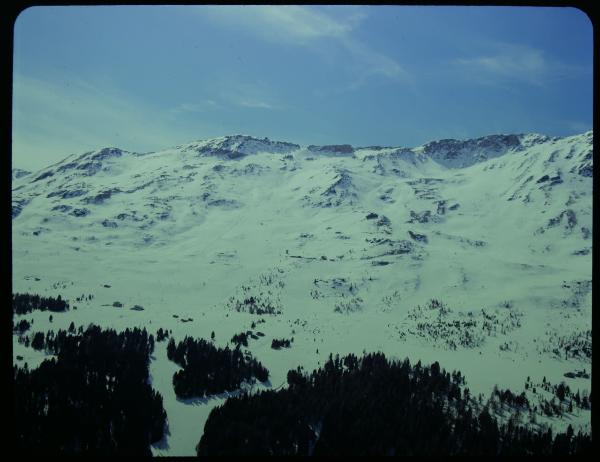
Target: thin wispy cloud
x,y
373,64
53,120
307,27
229,94
315,74
287,23
576,126
510,62
256,104
236,92
188,107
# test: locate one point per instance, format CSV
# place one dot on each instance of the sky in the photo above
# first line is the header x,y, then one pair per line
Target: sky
x,y
145,78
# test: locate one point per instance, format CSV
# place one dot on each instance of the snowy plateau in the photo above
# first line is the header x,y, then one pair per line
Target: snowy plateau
x,y
347,245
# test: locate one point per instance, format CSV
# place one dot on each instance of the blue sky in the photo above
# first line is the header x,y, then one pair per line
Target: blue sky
x,y
145,78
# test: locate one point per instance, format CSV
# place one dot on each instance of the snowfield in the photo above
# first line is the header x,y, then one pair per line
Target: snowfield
x,y
349,244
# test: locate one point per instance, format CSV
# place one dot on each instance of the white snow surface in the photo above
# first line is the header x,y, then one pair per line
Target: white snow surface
x,y
506,220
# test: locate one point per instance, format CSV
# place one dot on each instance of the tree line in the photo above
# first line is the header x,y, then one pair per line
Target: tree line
x,y
207,369
26,303
372,406
92,398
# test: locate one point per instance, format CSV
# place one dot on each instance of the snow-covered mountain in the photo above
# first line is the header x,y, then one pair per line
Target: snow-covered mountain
x,y
350,244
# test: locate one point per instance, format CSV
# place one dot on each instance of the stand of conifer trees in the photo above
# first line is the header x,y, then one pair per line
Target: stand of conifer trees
x,y
94,398
371,406
208,370
26,303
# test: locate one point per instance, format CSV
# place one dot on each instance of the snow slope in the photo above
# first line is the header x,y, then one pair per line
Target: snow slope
x,y
501,223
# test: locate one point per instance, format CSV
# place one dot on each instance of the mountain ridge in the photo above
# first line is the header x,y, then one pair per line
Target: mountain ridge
x,y
239,145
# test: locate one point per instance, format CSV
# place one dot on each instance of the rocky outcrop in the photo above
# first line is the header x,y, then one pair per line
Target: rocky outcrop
x,y
109,224
67,194
420,217
567,218
19,173
224,203
238,146
101,197
107,153
44,175
80,212
17,207
463,153
62,208
418,237
332,149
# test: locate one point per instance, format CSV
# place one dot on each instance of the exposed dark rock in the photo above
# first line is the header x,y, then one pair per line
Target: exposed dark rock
x,y
383,221
106,153
68,166
109,224
62,208
17,207
418,237
586,233
441,207
470,151
400,247
585,251
80,212
44,175
586,170
341,181
102,196
90,168
421,217
342,149
371,216
238,146
225,203
375,148
571,219
18,173
252,169
66,194
380,263
552,180
130,216
555,180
